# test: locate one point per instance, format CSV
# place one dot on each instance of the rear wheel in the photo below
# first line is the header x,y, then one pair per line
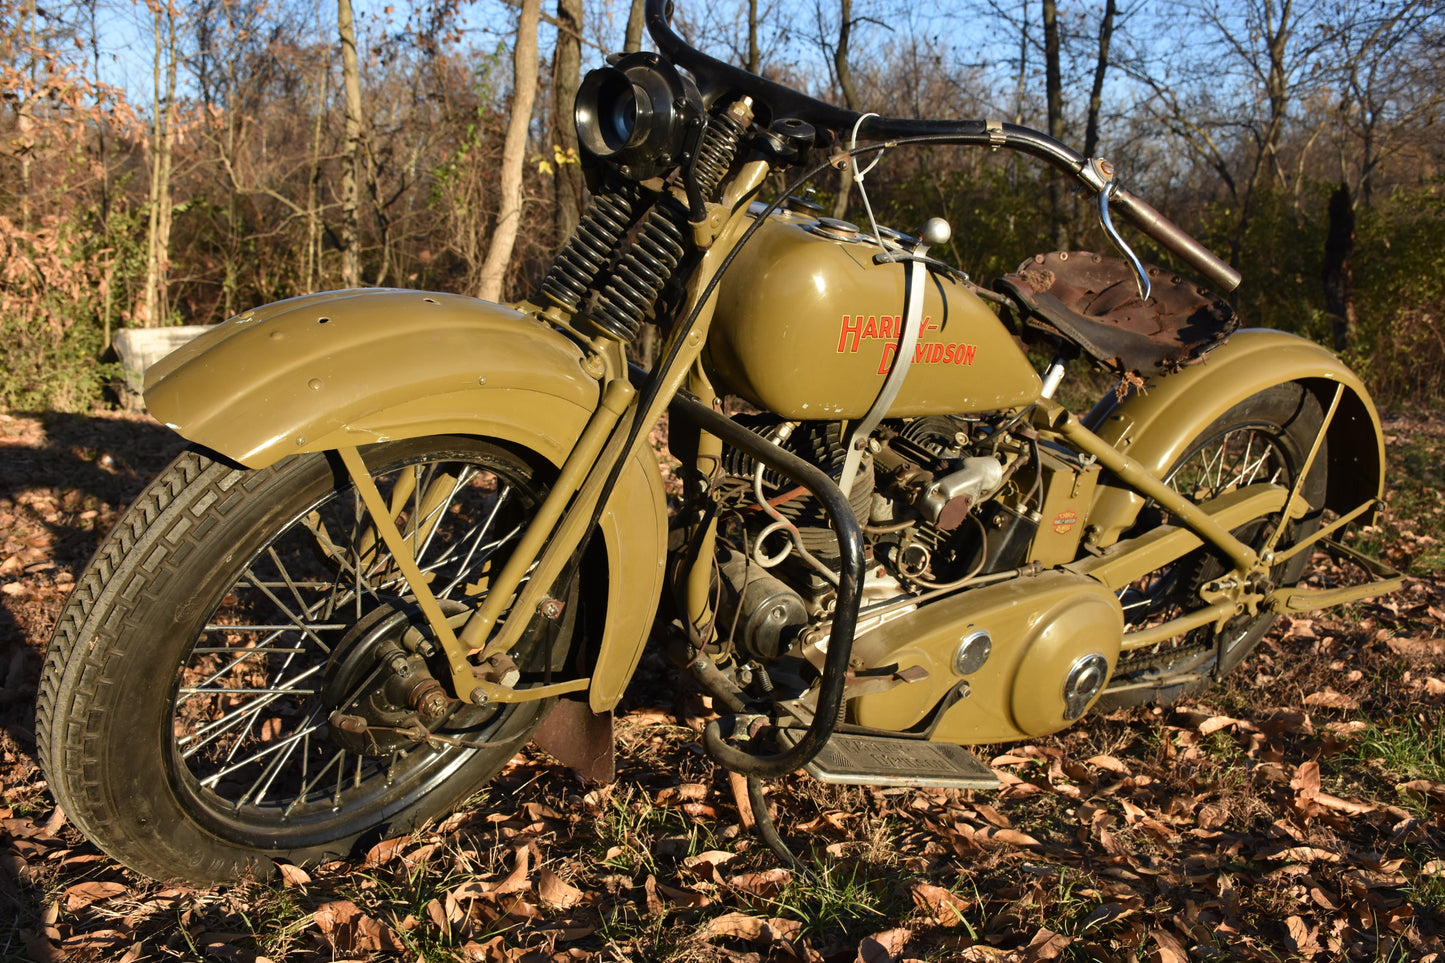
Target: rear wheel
x,y
1263,439
242,674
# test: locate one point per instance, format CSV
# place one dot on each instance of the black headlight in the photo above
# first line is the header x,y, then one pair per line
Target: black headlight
x,y
638,115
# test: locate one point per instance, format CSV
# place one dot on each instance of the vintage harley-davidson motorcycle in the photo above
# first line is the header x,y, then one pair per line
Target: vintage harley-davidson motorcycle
x,y
416,531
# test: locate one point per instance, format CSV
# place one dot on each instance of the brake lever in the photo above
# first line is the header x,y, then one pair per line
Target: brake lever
x,y
1141,276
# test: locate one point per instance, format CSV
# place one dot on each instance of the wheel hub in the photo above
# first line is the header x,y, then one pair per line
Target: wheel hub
x,y
380,695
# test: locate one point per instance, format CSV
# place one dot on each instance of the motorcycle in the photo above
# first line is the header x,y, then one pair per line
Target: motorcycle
x,y
416,531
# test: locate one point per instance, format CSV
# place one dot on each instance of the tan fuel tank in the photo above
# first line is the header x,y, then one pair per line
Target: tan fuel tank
x,y
807,326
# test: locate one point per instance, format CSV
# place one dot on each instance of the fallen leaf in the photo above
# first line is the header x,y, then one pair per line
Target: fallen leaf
x,y
885,947
683,897
740,926
1330,699
1012,837
1215,723
1303,936
517,878
1355,807
348,929
766,885
1306,780
1170,949
713,857
83,894
384,851
1109,763
293,875
1305,854
1047,945
946,907
556,893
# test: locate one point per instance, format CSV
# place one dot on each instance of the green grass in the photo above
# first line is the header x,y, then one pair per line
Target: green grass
x,y
1405,749
836,895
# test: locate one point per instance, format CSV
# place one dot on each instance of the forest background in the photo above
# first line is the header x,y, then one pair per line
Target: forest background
x,y
165,163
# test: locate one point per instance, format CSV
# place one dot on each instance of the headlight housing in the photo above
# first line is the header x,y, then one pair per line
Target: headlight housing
x,y
638,115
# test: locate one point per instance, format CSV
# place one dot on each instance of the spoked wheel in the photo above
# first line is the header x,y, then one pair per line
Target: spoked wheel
x,y
243,673
1263,439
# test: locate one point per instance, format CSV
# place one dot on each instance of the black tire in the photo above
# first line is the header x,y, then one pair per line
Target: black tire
x,y
183,711
1266,437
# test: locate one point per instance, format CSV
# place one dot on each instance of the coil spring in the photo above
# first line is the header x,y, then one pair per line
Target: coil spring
x,y
716,151
622,305
590,245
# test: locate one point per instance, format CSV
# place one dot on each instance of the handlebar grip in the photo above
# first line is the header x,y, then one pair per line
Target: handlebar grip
x,y
1169,234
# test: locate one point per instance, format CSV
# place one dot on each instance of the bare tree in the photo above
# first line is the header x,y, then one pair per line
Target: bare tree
x,y
351,153
566,76
1054,97
843,73
632,41
514,151
1101,66
154,306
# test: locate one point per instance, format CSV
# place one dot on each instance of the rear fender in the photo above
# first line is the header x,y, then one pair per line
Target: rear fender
x,y
357,367
1156,428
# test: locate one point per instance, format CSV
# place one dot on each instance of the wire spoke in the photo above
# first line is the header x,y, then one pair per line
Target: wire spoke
x,y
215,777
299,636
219,727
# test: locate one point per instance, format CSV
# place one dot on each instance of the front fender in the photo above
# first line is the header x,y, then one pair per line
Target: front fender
x,y
356,367
1156,428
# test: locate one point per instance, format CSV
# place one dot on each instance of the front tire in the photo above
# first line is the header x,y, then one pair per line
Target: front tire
x,y
189,706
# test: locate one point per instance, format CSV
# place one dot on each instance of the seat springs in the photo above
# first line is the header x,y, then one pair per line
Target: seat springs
x,y
590,246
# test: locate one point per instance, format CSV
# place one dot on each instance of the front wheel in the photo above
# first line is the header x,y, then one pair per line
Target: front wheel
x,y
1263,439
242,673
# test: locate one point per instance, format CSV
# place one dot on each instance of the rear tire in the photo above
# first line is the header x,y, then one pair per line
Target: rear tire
x,y
1266,437
183,714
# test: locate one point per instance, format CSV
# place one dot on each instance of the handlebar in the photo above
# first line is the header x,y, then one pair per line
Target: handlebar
x,y
713,75
1173,237
831,120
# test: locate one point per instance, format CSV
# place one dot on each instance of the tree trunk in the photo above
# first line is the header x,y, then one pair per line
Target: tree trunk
x,y
1054,92
514,151
632,41
1339,269
1101,65
754,54
153,308
351,152
566,76
1277,90
850,97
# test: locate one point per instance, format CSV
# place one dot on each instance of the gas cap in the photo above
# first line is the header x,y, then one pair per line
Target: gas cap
x,y
838,230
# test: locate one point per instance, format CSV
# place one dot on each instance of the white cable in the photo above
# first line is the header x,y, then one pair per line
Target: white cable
x,y
858,177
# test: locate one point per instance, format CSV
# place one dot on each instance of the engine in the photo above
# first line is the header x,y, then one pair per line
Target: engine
x,y
925,494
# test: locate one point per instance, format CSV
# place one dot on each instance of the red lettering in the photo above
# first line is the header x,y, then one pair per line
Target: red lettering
x,y
888,351
965,353
870,330
851,325
935,354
